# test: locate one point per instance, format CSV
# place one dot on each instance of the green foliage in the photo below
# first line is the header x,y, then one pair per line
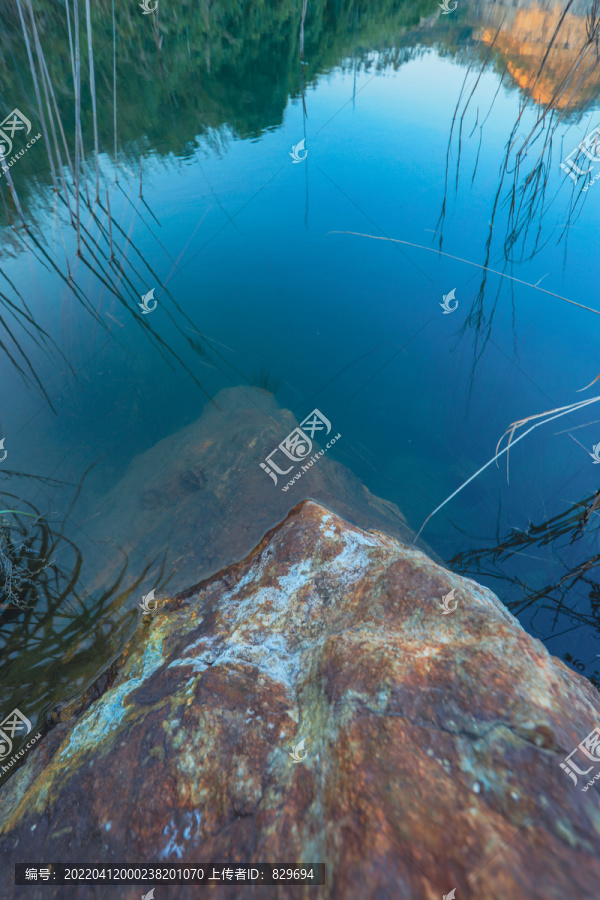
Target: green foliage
x,y
23,558
193,68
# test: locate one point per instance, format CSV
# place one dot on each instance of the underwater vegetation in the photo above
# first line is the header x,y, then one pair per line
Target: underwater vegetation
x,y
51,622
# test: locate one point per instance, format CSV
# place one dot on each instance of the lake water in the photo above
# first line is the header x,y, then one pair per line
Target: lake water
x,y
431,148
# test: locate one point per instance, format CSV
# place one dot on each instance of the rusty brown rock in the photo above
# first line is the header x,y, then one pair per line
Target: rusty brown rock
x,y
434,741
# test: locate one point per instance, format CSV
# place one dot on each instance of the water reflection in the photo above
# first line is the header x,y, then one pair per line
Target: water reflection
x,y
549,51
171,419
570,596
553,55
205,70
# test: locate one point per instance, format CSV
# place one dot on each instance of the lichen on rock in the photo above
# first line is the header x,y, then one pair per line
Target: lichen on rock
x,y
432,741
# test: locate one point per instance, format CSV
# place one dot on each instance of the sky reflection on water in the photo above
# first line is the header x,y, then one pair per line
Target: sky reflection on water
x,y
257,286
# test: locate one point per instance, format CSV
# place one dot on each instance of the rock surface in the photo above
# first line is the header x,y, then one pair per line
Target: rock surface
x,y
433,741
180,511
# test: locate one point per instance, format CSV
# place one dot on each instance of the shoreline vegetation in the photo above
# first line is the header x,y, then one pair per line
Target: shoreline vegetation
x,y
49,59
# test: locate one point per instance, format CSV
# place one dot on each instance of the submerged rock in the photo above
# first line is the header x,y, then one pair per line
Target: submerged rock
x,y
432,741
199,498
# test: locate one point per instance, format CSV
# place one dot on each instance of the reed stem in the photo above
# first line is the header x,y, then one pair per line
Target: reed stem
x,y
41,61
37,94
70,40
58,119
11,188
77,91
112,252
115,88
93,93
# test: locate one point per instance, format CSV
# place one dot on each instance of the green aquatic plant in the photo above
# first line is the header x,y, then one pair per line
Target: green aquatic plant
x,y
59,631
23,556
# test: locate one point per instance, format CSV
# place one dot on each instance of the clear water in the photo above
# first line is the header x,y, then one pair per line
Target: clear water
x,y
406,116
